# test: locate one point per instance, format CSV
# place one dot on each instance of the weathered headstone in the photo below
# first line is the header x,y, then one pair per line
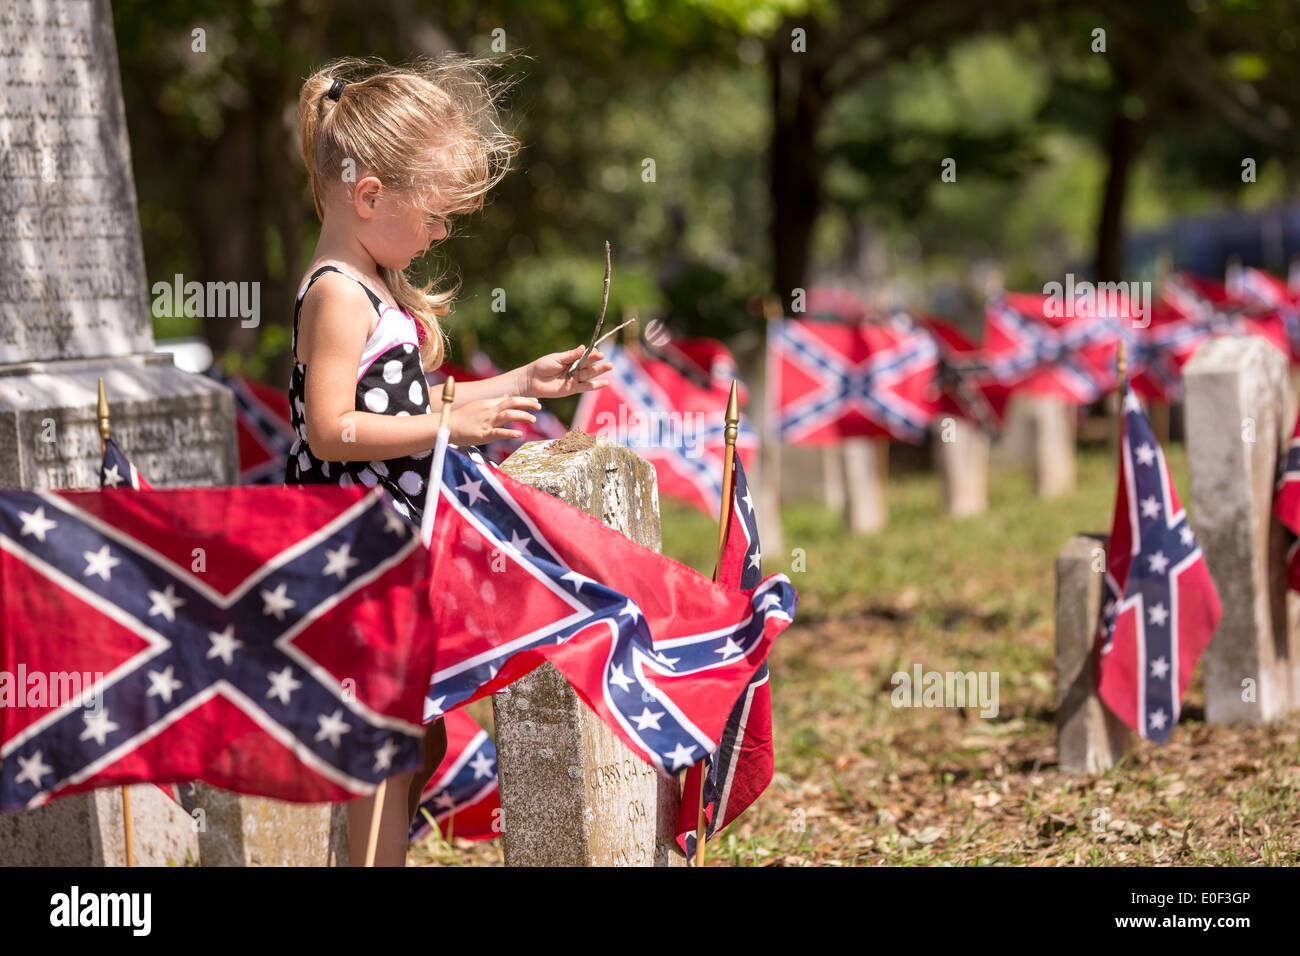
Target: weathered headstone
x,y
961,450
74,307
866,471
572,793
833,493
88,830
251,831
1234,394
1053,427
1088,736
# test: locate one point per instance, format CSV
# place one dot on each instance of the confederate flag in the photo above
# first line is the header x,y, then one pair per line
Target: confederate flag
x,y
271,641
741,768
263,427
829,381
1033,350
1160,607
462,797
672,421
1286,503
966,388
658,651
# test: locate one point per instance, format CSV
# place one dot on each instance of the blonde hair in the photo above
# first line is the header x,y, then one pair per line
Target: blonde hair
x,y
429,130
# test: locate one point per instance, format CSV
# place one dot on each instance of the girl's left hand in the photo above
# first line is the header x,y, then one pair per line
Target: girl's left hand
x,y
544,377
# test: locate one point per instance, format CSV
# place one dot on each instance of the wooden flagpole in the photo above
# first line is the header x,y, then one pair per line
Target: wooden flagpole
x,y
724,522
126,794
426,527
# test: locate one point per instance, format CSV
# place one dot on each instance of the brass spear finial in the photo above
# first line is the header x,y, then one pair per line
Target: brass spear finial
x,y
733,414
103,412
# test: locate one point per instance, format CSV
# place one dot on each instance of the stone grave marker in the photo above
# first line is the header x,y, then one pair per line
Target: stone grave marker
x,y
572,793
1088,736
961,450
1235,396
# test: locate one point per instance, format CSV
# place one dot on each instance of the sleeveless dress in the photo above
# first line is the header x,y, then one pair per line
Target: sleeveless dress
x,y
390,381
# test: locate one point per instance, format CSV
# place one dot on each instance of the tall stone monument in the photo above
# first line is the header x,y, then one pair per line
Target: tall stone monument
x,y
74,306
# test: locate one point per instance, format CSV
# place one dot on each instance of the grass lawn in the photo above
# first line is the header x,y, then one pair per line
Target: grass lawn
x,y
860,782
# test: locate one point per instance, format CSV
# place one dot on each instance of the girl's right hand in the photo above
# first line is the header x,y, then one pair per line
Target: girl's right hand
x,y
483,421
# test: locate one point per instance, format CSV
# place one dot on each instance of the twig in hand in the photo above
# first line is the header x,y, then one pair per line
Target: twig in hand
x,y
612,332
599,321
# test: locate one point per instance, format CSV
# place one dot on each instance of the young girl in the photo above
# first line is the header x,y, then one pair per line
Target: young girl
x,y
392,154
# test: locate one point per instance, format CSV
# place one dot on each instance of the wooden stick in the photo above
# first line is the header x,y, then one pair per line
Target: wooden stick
x,y
724,524
126,794
126,822
376,812
600,321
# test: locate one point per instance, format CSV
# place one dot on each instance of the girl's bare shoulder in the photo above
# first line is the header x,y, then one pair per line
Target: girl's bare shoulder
x,y
338,306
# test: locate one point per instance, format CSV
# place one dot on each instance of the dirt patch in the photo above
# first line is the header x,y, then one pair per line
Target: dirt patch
x,y
572,441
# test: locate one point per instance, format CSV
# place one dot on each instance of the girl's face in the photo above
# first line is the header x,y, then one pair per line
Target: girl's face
x,y
393,229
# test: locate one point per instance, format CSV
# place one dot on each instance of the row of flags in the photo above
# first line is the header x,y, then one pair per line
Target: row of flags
x,y
209,619
839,374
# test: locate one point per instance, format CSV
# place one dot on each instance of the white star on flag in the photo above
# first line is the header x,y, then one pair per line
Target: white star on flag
x,y
99,562
1185,535
163,684
384,755
332,728
340,561
748,500
111,478
1146,455
619,678
282,685
728,649
1157,615
680,756
1150,507
393,522
1158,562
630,610
648,719
482,765
576,579
664,659
1160,668
472,490
276,602
224,644
1158,719
33,769
165,603
98,727
35,522
518,543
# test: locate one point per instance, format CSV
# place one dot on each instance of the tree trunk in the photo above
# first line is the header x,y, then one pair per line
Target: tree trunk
x,y
798,105
1122,149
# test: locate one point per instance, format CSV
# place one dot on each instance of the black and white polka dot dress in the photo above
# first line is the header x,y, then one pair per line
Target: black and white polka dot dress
x,y
390,381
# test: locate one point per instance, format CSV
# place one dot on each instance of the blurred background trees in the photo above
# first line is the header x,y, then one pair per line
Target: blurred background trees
x,y
791,141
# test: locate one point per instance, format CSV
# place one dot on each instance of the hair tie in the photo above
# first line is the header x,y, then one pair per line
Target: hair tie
x,y
336,90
